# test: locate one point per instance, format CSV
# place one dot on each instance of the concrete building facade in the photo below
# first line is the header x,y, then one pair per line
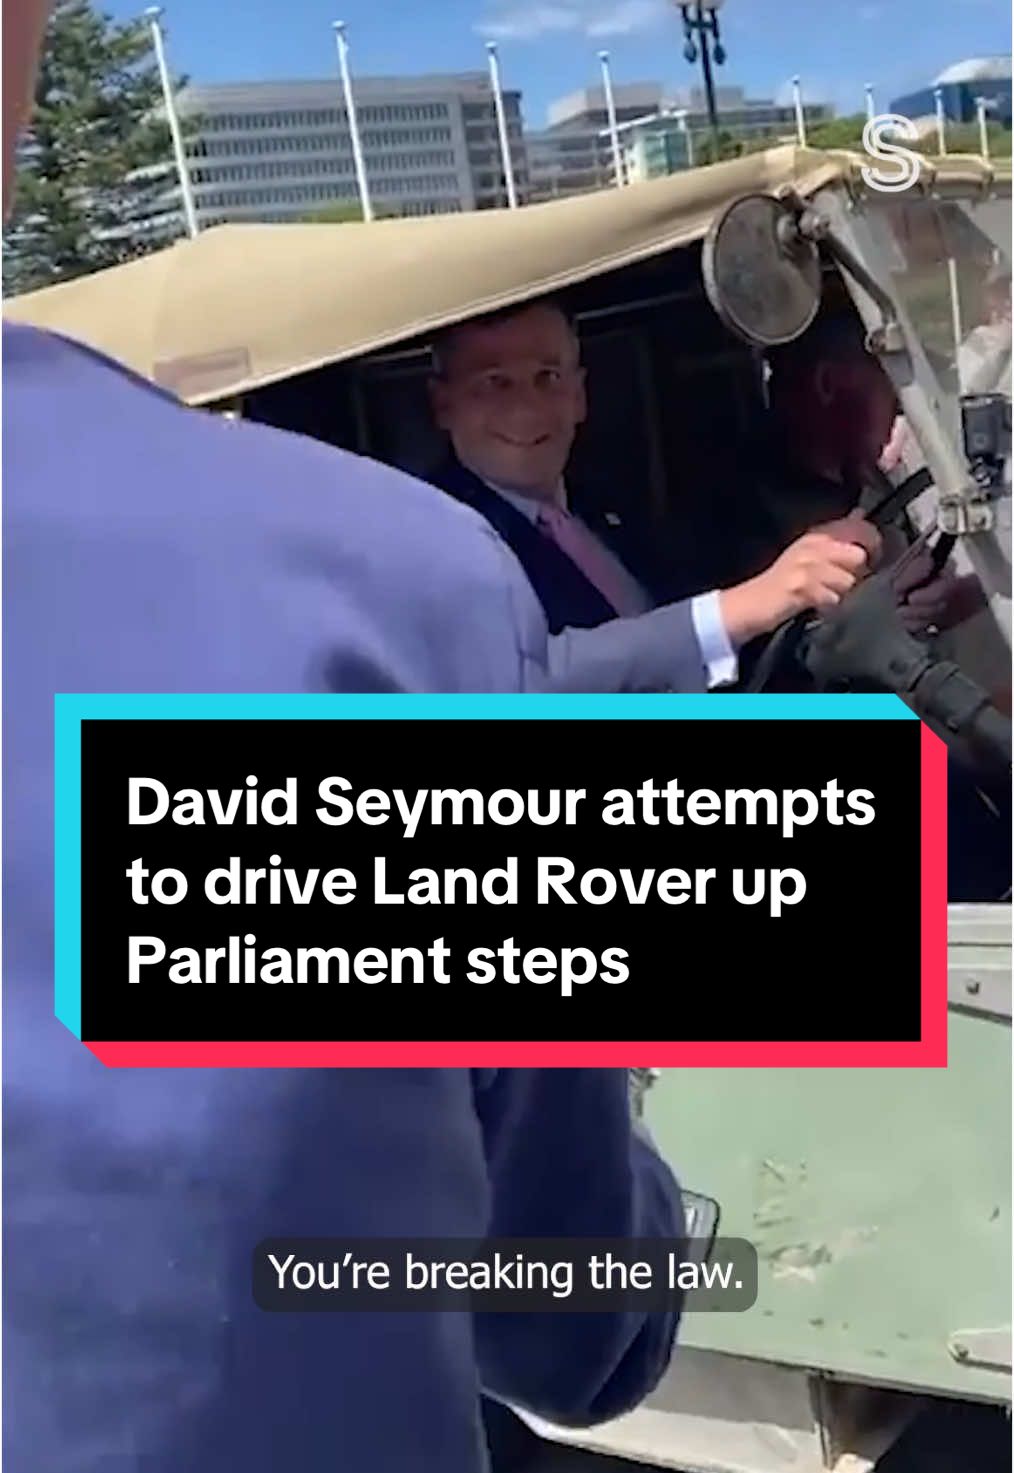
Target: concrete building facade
x,y
658,136
746,117
573,154
279,151
655,146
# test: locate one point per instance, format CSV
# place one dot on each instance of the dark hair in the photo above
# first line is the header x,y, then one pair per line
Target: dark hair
x,y
443,340
837,337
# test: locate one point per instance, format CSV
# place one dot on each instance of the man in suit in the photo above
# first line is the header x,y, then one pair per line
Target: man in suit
x,y
152,548
509,391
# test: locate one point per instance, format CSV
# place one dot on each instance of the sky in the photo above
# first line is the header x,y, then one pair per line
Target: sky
x,y
550,47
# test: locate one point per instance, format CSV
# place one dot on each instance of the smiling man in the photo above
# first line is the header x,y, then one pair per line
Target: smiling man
x,y
509,390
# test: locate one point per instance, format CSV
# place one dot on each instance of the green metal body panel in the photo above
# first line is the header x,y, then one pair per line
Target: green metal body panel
x,y
878,1200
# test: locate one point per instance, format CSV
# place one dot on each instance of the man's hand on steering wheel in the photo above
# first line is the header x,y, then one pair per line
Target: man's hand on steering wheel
x,y
814,573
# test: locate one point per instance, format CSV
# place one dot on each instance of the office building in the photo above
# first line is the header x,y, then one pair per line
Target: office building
x,y
574,154
753,119
655,146
960,88
281,151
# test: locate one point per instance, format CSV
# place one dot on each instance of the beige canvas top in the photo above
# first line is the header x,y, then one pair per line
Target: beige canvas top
x,y
246,305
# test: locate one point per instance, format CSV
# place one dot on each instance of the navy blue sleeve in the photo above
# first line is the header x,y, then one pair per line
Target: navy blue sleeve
x,y
564,1161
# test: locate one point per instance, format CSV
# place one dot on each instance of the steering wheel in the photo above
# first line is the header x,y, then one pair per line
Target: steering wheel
x,y
783,644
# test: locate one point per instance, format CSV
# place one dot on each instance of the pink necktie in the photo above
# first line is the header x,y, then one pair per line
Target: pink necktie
x,y
594,560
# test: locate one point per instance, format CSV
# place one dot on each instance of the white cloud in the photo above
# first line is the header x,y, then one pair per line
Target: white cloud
x,y
527,20
627,17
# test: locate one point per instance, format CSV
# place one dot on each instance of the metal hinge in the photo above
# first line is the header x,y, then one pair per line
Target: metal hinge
x,y
960,514
989,1348
980,989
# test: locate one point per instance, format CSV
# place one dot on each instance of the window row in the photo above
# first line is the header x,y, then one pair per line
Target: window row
x,y
432,183
433,158
230,173
315,168
315,143
320,117
301,194
474,110
492,135
431,207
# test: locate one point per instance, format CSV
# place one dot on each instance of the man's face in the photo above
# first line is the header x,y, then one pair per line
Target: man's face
x,y
511,397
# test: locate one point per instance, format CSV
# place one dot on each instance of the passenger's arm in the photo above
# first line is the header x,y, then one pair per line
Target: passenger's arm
x,y
691,646
564,1161
681,647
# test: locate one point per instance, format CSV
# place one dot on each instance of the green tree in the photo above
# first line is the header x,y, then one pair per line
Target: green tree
x,y
961,137
342,212
838,133
705,152
965,138
97,157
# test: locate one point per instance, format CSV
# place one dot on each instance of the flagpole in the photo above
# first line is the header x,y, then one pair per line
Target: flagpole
x,y
980,109
952,265
501,123
362,183
614,136
797,99
938,98
154,14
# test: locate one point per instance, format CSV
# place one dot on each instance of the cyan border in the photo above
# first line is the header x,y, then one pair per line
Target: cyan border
x,y
77,708
71,710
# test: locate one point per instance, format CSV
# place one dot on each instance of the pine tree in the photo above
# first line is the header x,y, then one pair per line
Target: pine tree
x,y
97,158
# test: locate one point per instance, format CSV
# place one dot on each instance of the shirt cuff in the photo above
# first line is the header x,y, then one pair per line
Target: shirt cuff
x,y
717,653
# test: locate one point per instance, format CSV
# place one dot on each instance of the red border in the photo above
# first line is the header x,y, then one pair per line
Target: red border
x,y
930,1051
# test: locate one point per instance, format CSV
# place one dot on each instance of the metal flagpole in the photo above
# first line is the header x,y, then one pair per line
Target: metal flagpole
x,y
350,112
980,109
938,98
952,266
614,136
154,14
797,101
501,123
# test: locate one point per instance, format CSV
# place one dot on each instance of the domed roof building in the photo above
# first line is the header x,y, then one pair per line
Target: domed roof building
x,y
961,85
979,69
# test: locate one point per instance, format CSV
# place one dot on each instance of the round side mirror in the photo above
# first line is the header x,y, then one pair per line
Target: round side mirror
x,y
761,276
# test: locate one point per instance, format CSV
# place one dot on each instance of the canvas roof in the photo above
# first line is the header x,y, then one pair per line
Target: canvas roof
x,y
242,306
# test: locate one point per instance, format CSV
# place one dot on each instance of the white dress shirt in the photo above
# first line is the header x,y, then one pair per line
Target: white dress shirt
x,y
648,638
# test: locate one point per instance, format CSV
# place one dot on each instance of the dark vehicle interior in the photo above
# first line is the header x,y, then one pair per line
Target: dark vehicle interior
x,y
673,399
676,415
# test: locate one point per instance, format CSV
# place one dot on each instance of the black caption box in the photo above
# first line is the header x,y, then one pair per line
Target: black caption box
x,y
504,1276
841,965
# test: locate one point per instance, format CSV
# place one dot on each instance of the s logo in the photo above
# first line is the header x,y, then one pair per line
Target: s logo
x,y
907,165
